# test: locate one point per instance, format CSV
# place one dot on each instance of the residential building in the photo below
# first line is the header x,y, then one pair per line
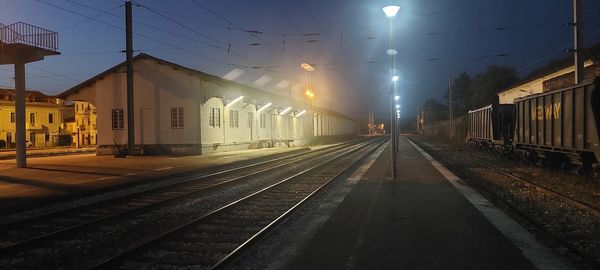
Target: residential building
x,y
42,116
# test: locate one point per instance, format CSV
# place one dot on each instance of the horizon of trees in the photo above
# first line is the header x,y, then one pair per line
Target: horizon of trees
x,y
471,92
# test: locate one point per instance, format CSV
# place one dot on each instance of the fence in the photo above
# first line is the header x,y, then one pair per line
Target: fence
x,y
27,34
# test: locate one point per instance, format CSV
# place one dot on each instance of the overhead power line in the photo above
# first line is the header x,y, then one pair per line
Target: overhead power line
x,y
148,25
287,17
137,34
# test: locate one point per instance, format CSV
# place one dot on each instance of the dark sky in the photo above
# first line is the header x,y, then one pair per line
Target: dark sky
x,y
345,40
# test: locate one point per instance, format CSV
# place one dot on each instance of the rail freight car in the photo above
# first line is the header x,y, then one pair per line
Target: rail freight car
x,y
560,128
492,126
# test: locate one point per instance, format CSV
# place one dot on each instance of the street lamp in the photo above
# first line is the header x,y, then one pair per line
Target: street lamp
x,y
391,11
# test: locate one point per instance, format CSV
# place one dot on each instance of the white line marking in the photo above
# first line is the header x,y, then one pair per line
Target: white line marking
x,y
106,178
130,174
541,256
163,168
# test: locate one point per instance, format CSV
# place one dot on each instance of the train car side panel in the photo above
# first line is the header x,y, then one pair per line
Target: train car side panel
x,y
561,122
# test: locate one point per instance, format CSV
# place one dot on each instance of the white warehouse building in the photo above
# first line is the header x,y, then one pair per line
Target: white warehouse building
x,y
179,110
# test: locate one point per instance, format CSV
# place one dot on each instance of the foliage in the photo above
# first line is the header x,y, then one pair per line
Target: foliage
x,y
485,86
472,92
434,110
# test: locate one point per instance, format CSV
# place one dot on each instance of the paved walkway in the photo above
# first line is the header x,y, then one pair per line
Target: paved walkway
x,y
51,177
37,152
420,221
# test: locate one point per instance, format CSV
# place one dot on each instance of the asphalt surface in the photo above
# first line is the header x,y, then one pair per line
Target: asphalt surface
x,y
419,221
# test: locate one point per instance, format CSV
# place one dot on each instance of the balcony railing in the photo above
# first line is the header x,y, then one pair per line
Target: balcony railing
x,y
22,33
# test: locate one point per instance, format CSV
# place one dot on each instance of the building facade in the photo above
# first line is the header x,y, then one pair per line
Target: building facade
x,y
179,110
42,115
539,84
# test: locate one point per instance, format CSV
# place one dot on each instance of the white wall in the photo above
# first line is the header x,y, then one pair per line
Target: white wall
x,y
159,87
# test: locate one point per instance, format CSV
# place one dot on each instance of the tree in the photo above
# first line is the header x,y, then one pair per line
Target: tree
x,y
461,86
485,86
434,110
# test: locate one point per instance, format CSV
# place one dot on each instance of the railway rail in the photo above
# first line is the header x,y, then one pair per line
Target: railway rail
x,y
19,238
574,201
587,209
217,238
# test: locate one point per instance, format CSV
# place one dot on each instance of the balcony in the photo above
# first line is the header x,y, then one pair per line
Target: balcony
x,y
24,42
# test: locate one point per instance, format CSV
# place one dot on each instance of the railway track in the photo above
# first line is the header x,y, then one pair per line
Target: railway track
x,y
580,204
217,238
44,232
586,212
574,201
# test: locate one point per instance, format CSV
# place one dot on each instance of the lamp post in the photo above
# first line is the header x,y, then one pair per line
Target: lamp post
x,y
390,12
309,94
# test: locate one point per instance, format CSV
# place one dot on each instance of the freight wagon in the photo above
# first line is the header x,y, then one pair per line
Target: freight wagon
x,y
559,128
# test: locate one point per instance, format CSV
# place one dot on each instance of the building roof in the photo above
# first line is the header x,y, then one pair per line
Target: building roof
x,y
30,95
144,56
592,53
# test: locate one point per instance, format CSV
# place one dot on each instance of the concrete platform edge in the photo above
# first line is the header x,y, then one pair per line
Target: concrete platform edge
x,y
541,256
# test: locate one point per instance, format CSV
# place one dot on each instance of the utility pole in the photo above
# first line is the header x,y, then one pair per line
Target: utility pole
x,y
578,42
129,57
450,109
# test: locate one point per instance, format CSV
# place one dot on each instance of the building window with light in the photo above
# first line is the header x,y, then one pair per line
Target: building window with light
x,y
250,120
214,118
177,117
12,117
234,119
263,120
118,119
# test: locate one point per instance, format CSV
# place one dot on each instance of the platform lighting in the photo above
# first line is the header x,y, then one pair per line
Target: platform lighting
x,y
301,113
264,107
307,67
397,106
309,93
391,10
395,78
391,52
234,101
398,111
285,111
396,98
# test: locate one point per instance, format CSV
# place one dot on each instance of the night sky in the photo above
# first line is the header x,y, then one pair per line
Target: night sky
x,y
346,41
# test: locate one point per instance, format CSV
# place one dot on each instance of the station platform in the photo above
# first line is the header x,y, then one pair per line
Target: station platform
x,y
420,221
69,176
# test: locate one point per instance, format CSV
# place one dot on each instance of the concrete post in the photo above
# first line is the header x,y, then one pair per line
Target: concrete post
x,y
20,135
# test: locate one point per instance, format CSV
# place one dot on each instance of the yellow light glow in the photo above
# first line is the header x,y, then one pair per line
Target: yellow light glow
x,y
309,93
